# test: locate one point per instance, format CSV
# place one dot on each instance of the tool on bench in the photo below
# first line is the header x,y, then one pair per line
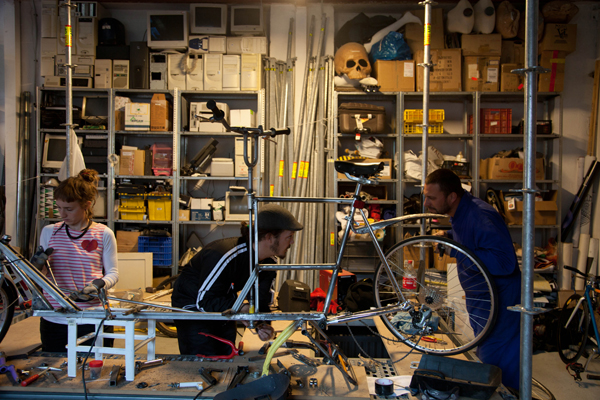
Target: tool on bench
x,y
234,351
135,310
306,360
300,345
175,385
278,354
9,370
139,365
207,375
115,375
34,377
239,376
264,348
432,339
51,373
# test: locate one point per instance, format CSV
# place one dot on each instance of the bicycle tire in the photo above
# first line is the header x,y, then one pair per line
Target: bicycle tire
x,y
8,300
167,328
571,339
167,283
445,293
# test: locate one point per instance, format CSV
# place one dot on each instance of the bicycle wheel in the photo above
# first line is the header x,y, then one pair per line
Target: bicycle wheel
x,y
8,299
462,299
573,337
167,328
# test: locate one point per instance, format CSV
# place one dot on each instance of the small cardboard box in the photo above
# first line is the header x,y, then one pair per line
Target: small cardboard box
x,y
544,214
386,173
446,76
441,262
183,215
395,76
201,210
562,37
513,52
137,117
120,103
555,62
508,168
481,45
127,241
161,113
245,118
413,33
481,73
510,82
132,162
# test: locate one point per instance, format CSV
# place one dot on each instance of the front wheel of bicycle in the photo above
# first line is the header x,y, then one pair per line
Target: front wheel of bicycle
x,y
460,294
8,299
573,334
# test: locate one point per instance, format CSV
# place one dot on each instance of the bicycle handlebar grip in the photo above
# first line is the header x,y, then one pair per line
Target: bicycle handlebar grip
x,y
218,115
275,132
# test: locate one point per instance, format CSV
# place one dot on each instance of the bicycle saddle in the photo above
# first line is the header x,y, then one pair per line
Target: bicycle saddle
x,y
361,169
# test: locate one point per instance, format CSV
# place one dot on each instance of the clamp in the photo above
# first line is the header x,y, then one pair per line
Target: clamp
x,y
234,351
9,370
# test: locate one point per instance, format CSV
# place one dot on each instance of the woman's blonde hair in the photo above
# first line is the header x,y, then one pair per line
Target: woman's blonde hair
x,y
81,189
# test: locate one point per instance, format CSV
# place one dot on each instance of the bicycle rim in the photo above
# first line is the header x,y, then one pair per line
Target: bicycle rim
x,y
572,338
8,299
463,298
167,329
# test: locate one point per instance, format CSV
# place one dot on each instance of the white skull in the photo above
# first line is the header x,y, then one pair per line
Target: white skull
x,y
352,59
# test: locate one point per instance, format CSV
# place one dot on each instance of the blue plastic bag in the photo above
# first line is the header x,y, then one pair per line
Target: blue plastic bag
x,y
391,47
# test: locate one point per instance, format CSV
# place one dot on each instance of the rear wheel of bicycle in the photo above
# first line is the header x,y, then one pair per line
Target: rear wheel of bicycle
x,y
167,328
460,294
572,338
8,300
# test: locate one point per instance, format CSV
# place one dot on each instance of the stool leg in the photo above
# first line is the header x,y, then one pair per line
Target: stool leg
x,y
72,348
151,334
129,350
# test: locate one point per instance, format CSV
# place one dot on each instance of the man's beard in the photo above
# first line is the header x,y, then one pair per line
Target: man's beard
x,y
275,249
443,210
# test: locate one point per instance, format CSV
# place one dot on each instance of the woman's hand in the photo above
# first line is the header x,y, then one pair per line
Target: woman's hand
x,y
265,331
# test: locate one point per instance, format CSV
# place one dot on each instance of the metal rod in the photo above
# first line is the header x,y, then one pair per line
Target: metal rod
x,y
69,90
531,32
426,71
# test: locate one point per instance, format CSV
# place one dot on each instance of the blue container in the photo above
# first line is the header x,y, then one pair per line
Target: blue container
x,y
161,248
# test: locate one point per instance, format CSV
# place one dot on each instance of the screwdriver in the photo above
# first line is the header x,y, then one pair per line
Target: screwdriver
x,y
34,377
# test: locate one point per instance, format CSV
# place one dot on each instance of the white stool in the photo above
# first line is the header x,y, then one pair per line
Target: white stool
x,y
130,347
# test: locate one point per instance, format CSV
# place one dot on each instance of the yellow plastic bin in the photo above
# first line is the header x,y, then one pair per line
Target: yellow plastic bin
x,y
132,213
159,206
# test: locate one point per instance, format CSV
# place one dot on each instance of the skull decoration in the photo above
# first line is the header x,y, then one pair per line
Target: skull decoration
x,y
352,59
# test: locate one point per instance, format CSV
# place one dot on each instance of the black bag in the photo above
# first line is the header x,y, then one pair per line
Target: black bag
x,y
360,295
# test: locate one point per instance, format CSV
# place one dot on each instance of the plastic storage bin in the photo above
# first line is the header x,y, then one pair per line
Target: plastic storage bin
x,y
411,128
162,159
416,116
132,213
159,206
494,121
161,248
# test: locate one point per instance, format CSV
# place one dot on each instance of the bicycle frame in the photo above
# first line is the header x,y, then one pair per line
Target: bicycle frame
x,y
588,299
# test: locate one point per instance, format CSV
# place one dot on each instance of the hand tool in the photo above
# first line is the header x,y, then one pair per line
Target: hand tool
x,y
139,365
264,348
239,376
9,370
432,339
234,351
278,354
34,377
197,385
206,375
305,360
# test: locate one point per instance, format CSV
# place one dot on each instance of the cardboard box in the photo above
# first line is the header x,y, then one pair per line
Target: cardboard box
x,y
544,214
562,37
481,73
386,173
395,76
120,103
137,117
241,169
221,167
413,33
513,52
245,118
481,45
201,210
183,215
510,82
127,241
132,162
554,80
446,76
508,168
161,113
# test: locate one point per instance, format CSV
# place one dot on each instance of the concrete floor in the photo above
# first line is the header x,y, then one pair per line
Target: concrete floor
x,y
547,367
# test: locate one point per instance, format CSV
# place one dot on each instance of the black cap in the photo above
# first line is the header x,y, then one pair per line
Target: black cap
x,y
272,217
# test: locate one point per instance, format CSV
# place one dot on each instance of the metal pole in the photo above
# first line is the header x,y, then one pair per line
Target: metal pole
x,y
531,15
69,89
23,175
426,70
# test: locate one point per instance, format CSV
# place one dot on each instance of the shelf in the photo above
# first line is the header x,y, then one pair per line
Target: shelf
x,y
514,181
517,136
377,135
142,221
210,222
221,134
214,178
103,132
143,177
514,97
344,180
443,136
144,133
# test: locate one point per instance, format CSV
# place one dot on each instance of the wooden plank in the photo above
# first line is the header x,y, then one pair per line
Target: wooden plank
x,y
592,134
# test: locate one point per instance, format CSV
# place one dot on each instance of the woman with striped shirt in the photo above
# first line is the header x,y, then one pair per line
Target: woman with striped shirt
x,y
84,257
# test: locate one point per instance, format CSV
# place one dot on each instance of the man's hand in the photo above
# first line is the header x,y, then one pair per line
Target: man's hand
x,y
265,332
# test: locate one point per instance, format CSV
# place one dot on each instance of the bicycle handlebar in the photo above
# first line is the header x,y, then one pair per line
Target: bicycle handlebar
x,y
575,270
219,116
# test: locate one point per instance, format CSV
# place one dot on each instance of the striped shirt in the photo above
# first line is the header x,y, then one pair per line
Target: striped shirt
x,y
75,263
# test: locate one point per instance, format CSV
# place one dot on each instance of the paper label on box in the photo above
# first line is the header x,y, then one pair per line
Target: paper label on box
x,y
511,204
409,70
492,75
472,71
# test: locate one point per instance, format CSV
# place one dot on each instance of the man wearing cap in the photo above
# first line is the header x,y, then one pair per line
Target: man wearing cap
x,y
212,278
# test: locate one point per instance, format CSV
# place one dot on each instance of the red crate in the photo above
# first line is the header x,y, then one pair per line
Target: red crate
x,y
493,120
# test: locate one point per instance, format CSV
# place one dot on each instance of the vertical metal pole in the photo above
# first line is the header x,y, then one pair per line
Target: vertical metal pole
x,y
531,15
69,89
426,71
23,175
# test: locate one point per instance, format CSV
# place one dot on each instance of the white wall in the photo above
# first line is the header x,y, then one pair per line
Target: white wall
x,y
577,93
